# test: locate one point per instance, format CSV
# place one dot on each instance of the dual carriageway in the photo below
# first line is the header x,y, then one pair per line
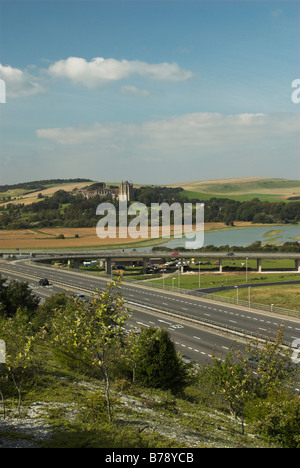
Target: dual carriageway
x,y
198,326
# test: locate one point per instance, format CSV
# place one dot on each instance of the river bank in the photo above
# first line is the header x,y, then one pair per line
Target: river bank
x,y
242,233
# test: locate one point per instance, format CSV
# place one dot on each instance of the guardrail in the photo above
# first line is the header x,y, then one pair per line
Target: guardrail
x,y
253,305
206,322
186,315
272,308
214,297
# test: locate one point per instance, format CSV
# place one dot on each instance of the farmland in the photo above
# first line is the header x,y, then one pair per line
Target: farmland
x,y
48,238
21,195
42,214
242,189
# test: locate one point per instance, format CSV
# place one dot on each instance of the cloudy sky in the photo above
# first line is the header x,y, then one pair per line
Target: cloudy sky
x,y
150,91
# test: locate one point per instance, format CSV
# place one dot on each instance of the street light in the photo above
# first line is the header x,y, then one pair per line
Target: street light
x,y
199,274
247,270
173,283
237,294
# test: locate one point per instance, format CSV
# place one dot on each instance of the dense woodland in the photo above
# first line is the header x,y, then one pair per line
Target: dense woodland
x,y
66,210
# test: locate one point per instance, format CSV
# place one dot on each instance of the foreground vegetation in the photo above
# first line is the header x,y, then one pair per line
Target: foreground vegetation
x,y
94,384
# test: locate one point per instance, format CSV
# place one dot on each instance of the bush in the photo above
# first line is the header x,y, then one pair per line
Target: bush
x,y
276,417
158,364
96,408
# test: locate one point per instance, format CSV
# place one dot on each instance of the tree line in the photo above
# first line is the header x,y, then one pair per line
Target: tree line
x,y
39,184
256,246
66,210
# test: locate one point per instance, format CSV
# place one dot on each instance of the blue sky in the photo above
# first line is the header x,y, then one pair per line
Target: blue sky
x,y
153,91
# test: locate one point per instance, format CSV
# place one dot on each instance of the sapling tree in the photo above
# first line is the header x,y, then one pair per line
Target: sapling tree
x,y
272,363
84,334
19,359
263,366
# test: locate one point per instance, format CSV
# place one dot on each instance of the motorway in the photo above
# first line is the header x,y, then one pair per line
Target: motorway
x,y
198,326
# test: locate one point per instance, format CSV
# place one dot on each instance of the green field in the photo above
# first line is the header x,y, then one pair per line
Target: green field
x,y
239,197
242,189
287,296
216,280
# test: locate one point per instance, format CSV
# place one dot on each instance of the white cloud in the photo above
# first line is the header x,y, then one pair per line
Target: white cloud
x,y
186,147
93,74
19,83
197,130
133,91
79,135
101,71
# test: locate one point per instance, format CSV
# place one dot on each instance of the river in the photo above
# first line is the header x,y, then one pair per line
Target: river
x,y
245,236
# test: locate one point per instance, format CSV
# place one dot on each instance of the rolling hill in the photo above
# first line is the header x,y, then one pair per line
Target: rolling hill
x,y
27,193
242,188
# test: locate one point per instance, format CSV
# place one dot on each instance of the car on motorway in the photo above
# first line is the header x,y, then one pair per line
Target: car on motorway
x,y
120,267
44,282
254,361
80,297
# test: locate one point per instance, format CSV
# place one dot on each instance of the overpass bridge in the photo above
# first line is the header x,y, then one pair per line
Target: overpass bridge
x,y
111,257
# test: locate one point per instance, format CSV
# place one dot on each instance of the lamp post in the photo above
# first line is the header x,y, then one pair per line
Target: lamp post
x,y
247,270
173,283
237,294
199,276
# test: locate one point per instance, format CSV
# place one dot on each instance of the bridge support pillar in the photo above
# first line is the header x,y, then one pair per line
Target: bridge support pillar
x,y
144,266
220,265
259,265
108,266
297,265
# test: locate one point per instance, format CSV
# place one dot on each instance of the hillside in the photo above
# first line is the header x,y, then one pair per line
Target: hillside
x,y
88,378
28,192
242,189
144,419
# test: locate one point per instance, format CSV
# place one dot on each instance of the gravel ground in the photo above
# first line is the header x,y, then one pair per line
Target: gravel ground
x,y
28,432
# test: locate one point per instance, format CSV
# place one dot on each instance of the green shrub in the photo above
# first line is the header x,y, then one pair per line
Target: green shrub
x,y
158,363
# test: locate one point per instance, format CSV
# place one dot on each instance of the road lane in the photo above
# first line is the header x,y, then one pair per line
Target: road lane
x,y
223,314
193,341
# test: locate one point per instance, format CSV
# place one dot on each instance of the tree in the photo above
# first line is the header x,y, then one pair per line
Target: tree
x,y
85,335
19,339
278,417
157,363
263,367
233,383
16,294
48,308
